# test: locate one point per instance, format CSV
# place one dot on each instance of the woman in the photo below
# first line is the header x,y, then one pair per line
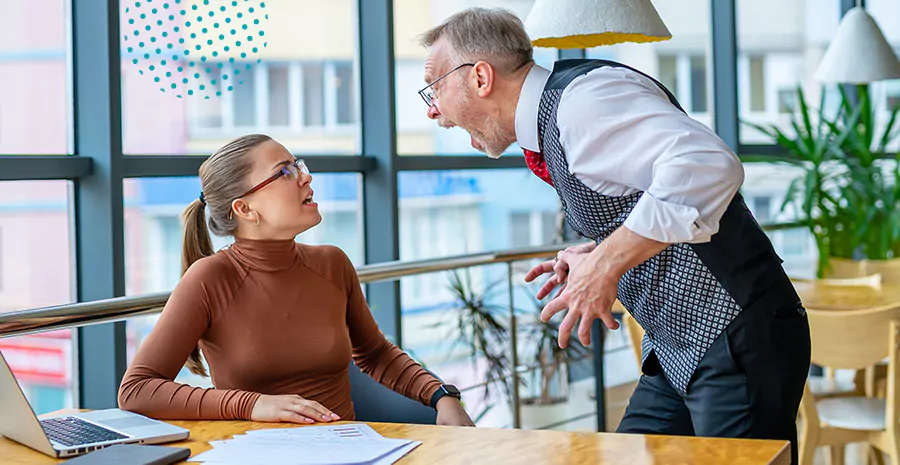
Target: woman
x,y
278,321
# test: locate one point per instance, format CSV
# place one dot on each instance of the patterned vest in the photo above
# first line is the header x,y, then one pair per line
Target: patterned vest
x,y
687,294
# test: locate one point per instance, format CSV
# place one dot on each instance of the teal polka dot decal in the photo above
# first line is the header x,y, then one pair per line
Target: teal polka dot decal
x,y
213,32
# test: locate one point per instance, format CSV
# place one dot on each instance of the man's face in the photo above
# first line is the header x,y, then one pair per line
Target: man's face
x,y
460,101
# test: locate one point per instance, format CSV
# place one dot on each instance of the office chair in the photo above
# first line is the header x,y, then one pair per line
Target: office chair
x,y
374,402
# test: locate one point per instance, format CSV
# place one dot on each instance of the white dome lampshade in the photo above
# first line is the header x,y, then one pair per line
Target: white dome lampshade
x,y
589,23
858,54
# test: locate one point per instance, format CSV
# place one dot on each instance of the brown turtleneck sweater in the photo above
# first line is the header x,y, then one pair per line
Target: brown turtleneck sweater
x,y
271,317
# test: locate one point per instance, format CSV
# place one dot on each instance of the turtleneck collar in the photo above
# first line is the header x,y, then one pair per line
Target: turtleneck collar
x,y
265,255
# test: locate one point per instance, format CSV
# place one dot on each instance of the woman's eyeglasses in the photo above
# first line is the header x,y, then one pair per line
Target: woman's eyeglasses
x,y
291,171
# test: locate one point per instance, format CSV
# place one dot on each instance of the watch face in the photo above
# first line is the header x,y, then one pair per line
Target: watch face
x,y
451,389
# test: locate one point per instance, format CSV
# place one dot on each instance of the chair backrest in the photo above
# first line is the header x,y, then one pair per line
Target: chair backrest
x,y
635,334
852,339
372,401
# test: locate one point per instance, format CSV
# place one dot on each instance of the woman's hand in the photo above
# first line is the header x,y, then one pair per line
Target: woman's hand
x,y
290,408
451,413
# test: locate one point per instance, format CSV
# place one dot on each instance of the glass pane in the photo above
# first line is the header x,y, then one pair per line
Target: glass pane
x,y
416,134
775,56
37,270
153,235
457,212
279,108
886,94
683,64
764,190
284,67
35,114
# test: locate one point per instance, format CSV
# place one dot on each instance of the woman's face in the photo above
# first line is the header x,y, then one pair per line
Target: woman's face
x,y
285,206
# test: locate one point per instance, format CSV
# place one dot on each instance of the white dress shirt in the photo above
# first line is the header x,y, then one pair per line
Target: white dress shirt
x,y
621,135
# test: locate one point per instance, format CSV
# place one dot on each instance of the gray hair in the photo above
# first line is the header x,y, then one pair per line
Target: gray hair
x,y
493,35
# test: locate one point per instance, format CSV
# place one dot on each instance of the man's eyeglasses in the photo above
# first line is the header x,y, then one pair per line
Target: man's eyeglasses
x,y
291,171
427,93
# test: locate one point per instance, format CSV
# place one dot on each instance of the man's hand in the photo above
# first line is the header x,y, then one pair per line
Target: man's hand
x,y
590,279
588,295
559,267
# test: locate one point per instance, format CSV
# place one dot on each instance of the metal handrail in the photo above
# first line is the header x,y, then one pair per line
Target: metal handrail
x,y
74,315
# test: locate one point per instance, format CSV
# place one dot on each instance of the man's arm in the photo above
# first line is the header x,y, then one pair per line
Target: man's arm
x,y
621,135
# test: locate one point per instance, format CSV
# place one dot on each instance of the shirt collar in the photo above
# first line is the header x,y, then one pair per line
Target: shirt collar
x,y
527,108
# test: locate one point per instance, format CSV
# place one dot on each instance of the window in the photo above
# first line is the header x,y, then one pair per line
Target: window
x,y
788,101
775,56
416,134
279,99
36,270
245,115
698,84
762,208
668,72
765,187
681,63
313,96
153,236
35,114
445,213
346,97
302,94
757,84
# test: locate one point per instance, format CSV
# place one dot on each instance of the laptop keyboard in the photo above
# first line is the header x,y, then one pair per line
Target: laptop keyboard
x,y
71,431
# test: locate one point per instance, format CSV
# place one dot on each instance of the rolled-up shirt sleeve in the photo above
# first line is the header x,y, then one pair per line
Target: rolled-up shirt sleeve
x,y
621,135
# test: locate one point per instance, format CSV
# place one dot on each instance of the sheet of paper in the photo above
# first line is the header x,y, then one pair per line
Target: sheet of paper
x,y
340,444
396,455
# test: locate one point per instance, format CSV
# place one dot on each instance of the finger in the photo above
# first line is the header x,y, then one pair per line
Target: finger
x,y
314,410
565,328
547,288
555,306
561,290
584,330
607,317
561,269
294,417
543,267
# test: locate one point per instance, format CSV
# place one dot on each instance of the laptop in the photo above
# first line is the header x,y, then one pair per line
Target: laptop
x,y
75,434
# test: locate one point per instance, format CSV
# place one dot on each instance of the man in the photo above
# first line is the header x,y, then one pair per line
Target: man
x,y
726,349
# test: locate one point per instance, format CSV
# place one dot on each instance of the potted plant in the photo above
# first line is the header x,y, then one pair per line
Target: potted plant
x,y
869,214
548,383
479,326
846,195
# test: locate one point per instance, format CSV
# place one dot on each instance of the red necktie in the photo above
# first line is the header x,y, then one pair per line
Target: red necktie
x,y
537,165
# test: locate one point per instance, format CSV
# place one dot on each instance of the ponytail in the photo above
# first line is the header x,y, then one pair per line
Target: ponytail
x,y
195,246
223,178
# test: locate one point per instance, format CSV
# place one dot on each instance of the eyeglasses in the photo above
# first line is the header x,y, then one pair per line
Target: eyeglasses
x,y
291,171
427,93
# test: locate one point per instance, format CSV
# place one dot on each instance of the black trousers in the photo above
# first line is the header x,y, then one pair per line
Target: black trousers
x,y
748,385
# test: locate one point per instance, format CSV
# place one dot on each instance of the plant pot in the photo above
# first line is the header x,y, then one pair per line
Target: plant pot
x,y
546,386
846,268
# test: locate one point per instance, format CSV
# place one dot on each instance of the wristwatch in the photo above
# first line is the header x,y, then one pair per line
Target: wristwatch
x,y
444,390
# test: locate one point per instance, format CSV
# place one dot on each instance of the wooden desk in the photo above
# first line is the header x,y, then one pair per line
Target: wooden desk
x,y
818,296
445,445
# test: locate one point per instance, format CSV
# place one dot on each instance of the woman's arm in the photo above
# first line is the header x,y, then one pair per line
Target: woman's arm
x,y
148,387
